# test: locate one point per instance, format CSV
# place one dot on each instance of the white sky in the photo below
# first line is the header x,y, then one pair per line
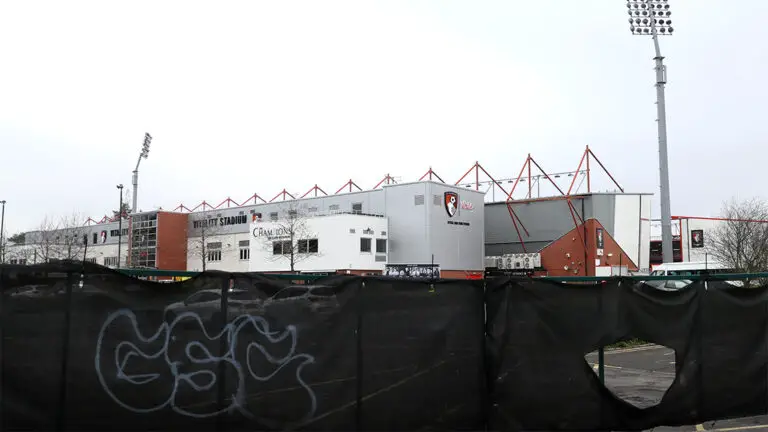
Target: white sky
x,y
245,97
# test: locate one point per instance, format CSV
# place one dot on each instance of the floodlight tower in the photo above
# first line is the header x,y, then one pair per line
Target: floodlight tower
x,y
144,154
651,17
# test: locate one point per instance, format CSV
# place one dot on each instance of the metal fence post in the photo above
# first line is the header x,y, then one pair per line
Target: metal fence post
x,y
2,346
61,416
359,341
601,364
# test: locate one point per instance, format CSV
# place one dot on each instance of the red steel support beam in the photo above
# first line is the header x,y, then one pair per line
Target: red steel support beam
x,y
387,179
581,161
315,189
349,184
605,169
284,194
466,174
431,173
589,172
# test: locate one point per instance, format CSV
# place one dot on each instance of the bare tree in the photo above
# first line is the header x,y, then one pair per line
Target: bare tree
x,y
125,206
4,243
17,253
58,239
741,241
290,238
202,247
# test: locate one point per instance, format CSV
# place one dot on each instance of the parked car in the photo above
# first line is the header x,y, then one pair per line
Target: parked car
x,y
317,298
207,305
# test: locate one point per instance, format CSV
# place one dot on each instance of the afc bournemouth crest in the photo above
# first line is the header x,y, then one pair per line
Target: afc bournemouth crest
x,y
451,201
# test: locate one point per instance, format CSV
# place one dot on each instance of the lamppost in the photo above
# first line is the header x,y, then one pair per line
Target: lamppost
x,y
143,155
2,233
119,224
651,17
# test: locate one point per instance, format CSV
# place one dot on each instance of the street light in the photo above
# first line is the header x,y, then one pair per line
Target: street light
x,y
651,17
2,230
119,224
143,155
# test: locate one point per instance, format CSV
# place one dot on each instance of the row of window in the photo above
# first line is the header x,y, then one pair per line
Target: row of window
x,y
214,252
365,245
304,246
357,208
284,247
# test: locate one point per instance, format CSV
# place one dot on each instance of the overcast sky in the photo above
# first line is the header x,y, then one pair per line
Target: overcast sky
x,y
245,97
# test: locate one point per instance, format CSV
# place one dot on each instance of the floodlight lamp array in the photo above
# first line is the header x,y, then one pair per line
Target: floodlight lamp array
x,y
145,146
645,15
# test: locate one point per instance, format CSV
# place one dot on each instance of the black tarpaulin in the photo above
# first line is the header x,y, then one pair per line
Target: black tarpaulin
x,y
87,348
539,332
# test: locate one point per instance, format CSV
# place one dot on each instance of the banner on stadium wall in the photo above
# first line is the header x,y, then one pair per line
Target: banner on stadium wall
x,y
426,271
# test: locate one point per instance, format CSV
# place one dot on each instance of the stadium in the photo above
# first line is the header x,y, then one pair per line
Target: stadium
x,y
428,227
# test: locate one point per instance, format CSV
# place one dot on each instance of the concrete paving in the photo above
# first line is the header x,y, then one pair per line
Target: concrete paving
x,y
642,375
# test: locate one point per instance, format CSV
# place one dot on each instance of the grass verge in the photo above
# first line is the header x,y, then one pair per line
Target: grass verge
x,y
630,343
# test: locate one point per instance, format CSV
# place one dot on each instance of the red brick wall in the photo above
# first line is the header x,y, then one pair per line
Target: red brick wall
x,y
171,241
569,251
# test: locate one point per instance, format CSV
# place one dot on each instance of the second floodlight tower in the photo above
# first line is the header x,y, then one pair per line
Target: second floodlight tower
x,y
651,17
143,155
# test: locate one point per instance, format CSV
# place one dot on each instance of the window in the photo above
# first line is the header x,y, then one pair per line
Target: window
x,y
381,245
245,251
383,233
110,261
312,209
418,200
357,208
273,216
307,246
281,247
245,254
214,255
368,231
90,260
291,214
214,251
95,238
436,200
365,245
333,207
114,232
351,230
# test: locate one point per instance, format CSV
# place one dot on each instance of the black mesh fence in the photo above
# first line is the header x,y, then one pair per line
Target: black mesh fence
x,y
87,348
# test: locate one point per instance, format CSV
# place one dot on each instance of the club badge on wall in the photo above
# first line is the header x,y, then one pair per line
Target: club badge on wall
x,y
599,238
103,236
697,239
451,200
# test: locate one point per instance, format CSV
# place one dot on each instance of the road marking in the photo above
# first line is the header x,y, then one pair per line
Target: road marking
x,y
596,366
629,350
730,429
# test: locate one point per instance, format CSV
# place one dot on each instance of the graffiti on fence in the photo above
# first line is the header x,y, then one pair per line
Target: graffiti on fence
x,y
125,354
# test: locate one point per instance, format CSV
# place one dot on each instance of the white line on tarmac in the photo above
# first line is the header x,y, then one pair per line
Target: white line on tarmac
x,y
629,350
700,428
